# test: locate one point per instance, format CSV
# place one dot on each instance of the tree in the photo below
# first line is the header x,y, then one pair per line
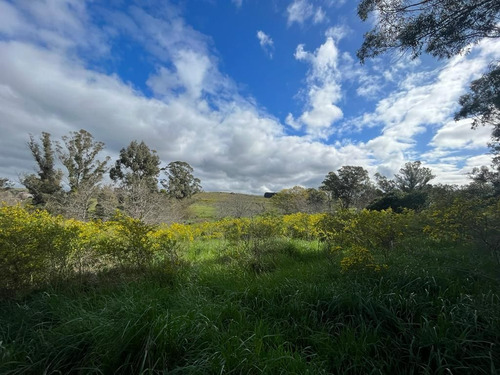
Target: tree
x,y
384,184
346,186
442,28
482,103
138,164
85,172
80,159
5,184
316,200
291,200
413,177
486,181
180,182
47,181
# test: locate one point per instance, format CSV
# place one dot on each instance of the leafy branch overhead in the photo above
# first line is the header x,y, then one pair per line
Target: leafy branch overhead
x,y
443,29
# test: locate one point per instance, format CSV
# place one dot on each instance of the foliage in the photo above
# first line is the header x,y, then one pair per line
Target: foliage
x,y
398,201
468,220
482,103
442,28
5,184
359,259
256,295
138,164
47,181
79,158
299,199
413,177
387,186
180,183
34,247
432,311
487,180
347,185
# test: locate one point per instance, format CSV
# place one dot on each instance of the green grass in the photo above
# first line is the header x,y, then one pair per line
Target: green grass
x,y
275,307
212,205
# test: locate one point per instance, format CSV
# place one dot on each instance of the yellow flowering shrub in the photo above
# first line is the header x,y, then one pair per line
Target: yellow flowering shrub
x,y
34,247
358,259
303,226
468,220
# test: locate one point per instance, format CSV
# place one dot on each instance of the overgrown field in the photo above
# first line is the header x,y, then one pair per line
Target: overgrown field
x,y
352,293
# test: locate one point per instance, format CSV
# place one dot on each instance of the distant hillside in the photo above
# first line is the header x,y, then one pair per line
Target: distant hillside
x,y
213,206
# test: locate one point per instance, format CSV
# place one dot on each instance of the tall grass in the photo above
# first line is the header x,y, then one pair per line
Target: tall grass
x,y
280,307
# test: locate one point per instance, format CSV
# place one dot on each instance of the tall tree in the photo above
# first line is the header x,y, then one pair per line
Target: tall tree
x,y
80,159
347,185
5,184
180,182
292,200
413,177
442,28
386,185
47,180
138,164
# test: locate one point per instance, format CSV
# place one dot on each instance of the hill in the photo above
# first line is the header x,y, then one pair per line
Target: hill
x,y
215,205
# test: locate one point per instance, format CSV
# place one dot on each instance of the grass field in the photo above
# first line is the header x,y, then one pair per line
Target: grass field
x,y
282,307
214,205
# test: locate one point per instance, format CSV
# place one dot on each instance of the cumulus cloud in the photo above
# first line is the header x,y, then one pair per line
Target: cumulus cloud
x,y
425,103
323,90
266,43
195,112
232,144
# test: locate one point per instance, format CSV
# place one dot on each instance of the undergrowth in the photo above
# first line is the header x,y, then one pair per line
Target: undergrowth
x,y
275,306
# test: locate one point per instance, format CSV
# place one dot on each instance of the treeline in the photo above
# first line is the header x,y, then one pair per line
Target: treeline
x,y
144,189
79,192
350,187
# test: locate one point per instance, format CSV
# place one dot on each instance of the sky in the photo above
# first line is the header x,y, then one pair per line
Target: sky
x,y
256,95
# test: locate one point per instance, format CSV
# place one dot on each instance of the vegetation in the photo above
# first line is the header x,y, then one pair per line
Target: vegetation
x,y
180,182
355,292
138,280
137,165
347,185
47,181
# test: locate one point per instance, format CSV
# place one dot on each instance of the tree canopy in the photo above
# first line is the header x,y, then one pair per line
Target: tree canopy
x,y
180,182
442,28
47,181
347,184
413,177
138,164
80,159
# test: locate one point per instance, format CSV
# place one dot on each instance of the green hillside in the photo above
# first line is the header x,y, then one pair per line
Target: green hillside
x,y
215,205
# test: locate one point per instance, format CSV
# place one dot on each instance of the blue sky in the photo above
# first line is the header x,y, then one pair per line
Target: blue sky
x,y
256,95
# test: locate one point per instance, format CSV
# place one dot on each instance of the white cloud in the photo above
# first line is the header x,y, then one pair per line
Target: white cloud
x,y
425,103
455,135
233,146
56,24
323,91
338,32
238,3
197,114
300,11
266,42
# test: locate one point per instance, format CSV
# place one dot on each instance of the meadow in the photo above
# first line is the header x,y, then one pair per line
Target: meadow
x,y
362,292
